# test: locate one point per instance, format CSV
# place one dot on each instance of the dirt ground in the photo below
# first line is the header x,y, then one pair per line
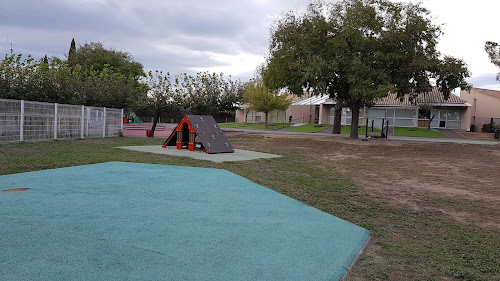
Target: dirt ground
x,y
476,135
457,181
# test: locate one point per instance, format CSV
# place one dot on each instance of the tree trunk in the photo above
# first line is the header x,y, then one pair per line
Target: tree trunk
x,y
155,121
337,119
355,119
266,119
430,121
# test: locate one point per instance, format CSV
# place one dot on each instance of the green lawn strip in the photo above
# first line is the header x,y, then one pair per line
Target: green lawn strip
x,y
308,128
412,245
270,126
361,130
418,132
237,124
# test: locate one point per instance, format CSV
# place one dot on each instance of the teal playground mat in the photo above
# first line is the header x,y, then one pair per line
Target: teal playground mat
x,y
128,221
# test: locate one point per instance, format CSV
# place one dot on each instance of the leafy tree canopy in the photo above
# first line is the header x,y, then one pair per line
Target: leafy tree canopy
x,y
358,51
161,96
56,81
263,99
209,93
493,50
94,56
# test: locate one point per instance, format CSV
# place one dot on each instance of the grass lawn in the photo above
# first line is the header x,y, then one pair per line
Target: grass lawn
x,y
418,132
270,126
308,128
361,130
424,242
237,124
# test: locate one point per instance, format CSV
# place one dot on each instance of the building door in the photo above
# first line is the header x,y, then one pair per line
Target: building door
x,y
316,114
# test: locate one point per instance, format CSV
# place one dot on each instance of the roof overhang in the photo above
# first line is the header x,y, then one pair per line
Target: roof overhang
x,y
449,104
393,106
314,100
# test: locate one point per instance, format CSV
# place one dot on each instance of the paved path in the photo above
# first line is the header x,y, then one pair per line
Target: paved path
x,y
445,140
452,136
391,137
237,155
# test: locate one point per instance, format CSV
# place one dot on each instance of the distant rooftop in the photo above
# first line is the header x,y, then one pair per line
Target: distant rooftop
x,y
314,100
491,93
434,97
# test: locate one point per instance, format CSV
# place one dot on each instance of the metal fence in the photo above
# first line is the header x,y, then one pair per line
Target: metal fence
x,y
29,121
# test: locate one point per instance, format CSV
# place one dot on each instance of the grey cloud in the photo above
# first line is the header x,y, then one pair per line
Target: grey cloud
x,y
189,30
485,81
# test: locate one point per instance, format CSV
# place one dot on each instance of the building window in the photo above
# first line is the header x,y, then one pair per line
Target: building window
x,y
424,113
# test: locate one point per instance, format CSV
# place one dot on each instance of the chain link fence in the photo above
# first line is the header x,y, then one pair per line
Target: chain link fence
x,y
31,121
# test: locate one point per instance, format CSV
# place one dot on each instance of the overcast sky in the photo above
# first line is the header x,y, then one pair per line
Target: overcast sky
x,y
227,36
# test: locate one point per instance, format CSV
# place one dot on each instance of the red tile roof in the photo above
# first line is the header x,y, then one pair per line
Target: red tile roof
x,y
491,93
432,97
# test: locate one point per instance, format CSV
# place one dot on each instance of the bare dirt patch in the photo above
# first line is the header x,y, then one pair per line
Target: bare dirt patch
x,y
458,181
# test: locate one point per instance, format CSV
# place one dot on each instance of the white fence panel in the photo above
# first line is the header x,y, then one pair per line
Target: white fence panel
x,y
38,120
30,121
10,116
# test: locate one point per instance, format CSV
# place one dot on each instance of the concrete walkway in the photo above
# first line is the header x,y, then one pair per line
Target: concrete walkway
x,y
237,155
391,137
445,140
452,136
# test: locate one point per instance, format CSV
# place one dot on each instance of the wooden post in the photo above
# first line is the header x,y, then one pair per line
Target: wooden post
x,y
179,139
191,141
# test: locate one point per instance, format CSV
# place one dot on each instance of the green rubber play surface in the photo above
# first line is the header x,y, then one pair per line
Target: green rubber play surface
x,y
129,221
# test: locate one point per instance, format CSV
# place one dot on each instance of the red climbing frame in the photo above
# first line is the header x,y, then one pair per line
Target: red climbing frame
x,y
203,128
180,137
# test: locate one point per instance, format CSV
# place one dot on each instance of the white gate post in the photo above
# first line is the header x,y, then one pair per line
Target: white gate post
x,y
21,123
55,121
82,121
88,121
121,123
104,123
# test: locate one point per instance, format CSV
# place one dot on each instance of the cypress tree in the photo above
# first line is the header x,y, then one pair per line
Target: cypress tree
x,y
72,53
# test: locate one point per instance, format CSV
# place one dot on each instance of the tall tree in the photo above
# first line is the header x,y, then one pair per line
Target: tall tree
x,y
162,96
72,53
94,56
493,50
358,51
262,99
